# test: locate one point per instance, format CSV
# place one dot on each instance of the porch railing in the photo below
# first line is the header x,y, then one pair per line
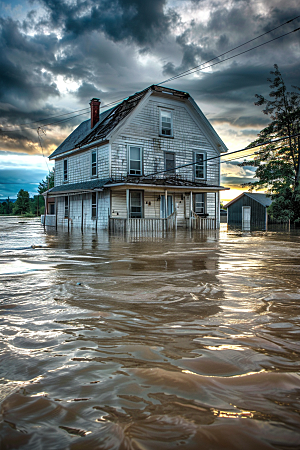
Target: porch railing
x,y
202,223
137,225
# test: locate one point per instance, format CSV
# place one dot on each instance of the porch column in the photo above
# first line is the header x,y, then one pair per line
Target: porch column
x,y
56,208
96,210
216,211
128,203
166,204
191,208
45,213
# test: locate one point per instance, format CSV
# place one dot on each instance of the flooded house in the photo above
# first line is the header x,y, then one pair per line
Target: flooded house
x,y
152,162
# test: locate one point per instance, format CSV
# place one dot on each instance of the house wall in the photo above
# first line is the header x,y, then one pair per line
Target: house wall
x,y
84,201
79,166
258,213
144,129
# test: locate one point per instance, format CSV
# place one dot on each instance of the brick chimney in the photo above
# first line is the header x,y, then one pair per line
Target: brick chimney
x,y
95,107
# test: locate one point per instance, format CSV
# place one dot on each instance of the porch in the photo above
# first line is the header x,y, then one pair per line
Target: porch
x,y
138,225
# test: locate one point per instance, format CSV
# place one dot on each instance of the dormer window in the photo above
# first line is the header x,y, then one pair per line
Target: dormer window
x,y
65,170
166,123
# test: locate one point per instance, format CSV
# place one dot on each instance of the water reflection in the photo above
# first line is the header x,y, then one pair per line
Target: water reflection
x,y
135,342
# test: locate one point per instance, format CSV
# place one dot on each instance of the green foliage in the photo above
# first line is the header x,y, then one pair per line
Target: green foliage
x,y
48,183
6,207
37,205
277,164
22,204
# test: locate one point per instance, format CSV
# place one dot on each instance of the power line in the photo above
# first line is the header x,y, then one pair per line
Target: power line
x,y
230,57
271,141
187,72
228,51
47,118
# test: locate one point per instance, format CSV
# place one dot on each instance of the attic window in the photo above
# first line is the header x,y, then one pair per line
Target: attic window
x,y
166,123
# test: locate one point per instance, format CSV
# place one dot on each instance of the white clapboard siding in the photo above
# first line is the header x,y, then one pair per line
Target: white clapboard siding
x,y
79,166
143,130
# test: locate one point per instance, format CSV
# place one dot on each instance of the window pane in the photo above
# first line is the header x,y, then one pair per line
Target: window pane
x,y
166,123
200,166
170,162
135,161
135,205
135,153
65,169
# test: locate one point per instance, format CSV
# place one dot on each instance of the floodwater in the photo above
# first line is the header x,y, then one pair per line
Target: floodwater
x,y
185,342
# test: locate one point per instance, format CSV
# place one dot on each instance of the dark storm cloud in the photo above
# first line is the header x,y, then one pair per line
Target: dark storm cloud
x,y
142,22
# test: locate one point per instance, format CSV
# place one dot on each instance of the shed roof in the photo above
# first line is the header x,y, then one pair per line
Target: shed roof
x,y
85,185
260,198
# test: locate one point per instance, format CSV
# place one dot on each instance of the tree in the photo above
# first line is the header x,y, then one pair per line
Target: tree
x,y
48,183
22,204
277,164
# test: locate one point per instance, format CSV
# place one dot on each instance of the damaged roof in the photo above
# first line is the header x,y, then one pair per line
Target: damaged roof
x,y
83,130
108,120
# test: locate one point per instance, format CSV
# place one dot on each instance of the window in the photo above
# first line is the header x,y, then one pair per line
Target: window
x,y
135,161
94,205
51,208
166,123
200,165
94,164
170,163
66,207
199,204
136,204
65,170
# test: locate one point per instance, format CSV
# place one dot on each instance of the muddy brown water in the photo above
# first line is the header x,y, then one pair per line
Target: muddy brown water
x,y
184,342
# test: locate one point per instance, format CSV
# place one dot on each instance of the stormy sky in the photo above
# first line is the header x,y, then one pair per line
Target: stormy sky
x,y
55,55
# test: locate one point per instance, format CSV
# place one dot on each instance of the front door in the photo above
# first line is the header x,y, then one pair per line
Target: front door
x,y
246,218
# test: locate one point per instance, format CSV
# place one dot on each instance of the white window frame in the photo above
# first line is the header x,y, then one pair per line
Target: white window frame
x,y
203,203
141,169
200,152
170,172
94,206
95,164
65,171
161,112
141,193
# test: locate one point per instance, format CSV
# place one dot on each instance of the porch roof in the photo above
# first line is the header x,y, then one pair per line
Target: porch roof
x,y
78,187
163,183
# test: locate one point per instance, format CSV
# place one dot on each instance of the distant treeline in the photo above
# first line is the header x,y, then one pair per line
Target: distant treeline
x,y
23,205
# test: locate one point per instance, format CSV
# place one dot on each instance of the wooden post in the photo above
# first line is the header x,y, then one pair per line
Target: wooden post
x,y
166,204
96,210
216,213
82,214
191,208
45,213
68,213
266,219
56,213
128,203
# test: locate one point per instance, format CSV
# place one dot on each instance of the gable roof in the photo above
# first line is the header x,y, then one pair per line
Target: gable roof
x,y
260,198
77,135
109,120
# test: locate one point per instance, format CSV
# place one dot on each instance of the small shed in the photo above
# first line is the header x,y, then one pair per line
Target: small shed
x,y
248,211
